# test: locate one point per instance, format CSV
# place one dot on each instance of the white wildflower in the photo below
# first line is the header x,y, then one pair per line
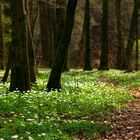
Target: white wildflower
x,y
30,138
29,120
43,134
38,135
14,136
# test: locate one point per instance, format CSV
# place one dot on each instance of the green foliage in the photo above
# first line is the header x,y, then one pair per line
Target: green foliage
x,y
80,109
120,78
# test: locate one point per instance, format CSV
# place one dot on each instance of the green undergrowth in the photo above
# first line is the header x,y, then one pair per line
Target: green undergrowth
x,y
120,78
79,110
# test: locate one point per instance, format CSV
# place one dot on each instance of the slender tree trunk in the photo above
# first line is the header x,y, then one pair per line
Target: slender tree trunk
x,y
45,36
31,51
1,39
131,38
20,78
121,50
60,23
87,64
137,45
105,49
60,20
81,49
52,26
54,82
8,65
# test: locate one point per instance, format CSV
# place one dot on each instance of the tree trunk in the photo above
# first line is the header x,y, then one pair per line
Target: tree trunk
x,y
45,36
31,52
81,49
131,38
54,82
121,50
20,78
8,65
60,20
105,49
87,64
51,11
60,23
137,45
1,39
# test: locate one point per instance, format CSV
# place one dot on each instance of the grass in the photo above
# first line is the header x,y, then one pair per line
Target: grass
x,y
122,79
79,110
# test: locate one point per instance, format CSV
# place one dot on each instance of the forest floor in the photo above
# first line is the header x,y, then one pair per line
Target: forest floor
x,y
127,123
95,105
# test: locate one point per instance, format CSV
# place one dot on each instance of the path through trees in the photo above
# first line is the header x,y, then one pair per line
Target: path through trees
x,y
127,123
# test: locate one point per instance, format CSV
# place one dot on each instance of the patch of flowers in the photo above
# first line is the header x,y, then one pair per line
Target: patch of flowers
x,y
80,108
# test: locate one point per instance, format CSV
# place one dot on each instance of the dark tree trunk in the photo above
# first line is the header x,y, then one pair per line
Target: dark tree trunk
x,y
137,45
51,13
20,78
131,38
8,65
87,64
31,55
31,52
105,49
81,49
60,22
54,82
45,36
121,50
66,67
1,40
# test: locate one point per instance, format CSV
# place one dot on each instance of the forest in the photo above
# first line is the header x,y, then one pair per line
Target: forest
x,y
69,70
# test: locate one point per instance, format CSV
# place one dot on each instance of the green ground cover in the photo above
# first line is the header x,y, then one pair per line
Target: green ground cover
x,y
120,78
80,109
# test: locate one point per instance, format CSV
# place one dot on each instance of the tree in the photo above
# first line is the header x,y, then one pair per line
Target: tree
x,y
51,12
60,20
1,39
105,49
30,26
81,49
137,43
8,65
120,50
54,82
87,64
131,38
20,78
45,33
60,23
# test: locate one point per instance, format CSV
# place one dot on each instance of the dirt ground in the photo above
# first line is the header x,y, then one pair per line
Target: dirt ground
x,y
127,123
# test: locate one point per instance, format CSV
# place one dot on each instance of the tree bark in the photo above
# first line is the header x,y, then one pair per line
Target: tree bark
x,y
60,20
105,49
81,49
87,64
31,50
20,78
131,38
60,23
1,39
8,65
137,45
120,50
52,26
45,36
54,82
